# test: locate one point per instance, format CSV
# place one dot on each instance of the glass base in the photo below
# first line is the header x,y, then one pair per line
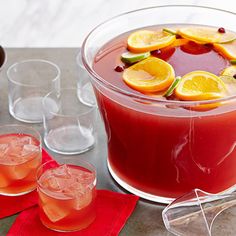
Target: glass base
x,y
70,140
17,194
28,110
137,192
151,197
68,231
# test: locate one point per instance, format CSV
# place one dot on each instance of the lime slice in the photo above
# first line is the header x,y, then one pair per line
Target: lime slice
x,y
170,31
172,87
230,83
233,62
229,71
130,58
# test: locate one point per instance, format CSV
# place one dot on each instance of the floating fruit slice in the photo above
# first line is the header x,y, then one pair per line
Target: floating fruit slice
x,y
200,85
149,75
4,181
206,35
230,83
230,71
179,42
170,31
55,212
130,58
147,40
172,87
227,49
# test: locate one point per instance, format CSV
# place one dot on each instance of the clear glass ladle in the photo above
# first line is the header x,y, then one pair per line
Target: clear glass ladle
x,y
194,213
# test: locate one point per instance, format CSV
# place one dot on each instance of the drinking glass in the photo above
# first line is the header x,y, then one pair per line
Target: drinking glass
x,y
195,212
28,82
84,86
160,149
69,125
20,157
67,193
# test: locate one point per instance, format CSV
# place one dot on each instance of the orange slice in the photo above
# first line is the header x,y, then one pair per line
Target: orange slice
x,y
200,85
227,49
229,71
149,75
206,35
147,40
179,42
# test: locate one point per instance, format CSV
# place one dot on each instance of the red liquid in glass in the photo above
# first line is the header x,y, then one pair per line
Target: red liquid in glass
x,y
168,151
66,198
20,157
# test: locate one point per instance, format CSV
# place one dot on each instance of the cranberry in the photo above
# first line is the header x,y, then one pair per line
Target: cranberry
x,y
209,45
119,69
156,53
221,30
234,76
178,36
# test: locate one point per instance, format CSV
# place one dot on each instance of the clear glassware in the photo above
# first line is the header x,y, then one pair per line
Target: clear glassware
x,y
20,157
195,212
84,86
67,193
69,124
28,82
160,149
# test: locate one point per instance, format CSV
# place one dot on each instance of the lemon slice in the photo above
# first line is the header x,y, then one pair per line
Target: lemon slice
x,y
147,40
200,85
227,49
206,35
149,75
230,71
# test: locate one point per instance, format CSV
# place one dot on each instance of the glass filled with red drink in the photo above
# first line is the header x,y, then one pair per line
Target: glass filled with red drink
x,y
160,148
67,193
20,157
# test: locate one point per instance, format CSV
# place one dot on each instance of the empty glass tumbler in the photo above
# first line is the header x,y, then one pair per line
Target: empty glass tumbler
x,y
28,82
68,122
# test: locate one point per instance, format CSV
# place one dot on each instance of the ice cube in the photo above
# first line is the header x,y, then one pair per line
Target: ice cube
x,y
24,140
15,151
4,181
83,198
85,177
82,195
52,184
54,212
3,149
68,192
62,171
35,162
29,149
19,171
19,142
73,189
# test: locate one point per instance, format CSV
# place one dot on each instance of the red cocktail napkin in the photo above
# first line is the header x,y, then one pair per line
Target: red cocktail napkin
x,y
113,210
12,205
